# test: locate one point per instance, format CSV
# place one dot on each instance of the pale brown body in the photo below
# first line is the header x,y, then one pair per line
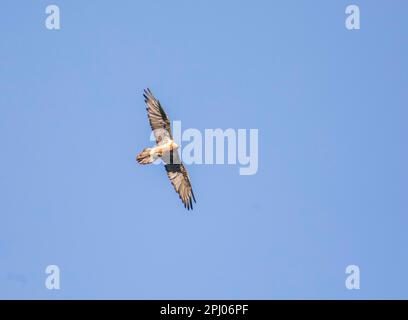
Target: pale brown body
x,y
149,155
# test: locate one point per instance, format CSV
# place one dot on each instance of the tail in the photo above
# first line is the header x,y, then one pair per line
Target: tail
x,y
144,157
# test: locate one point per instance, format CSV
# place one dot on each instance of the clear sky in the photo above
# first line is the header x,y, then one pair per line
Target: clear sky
x,y
331,190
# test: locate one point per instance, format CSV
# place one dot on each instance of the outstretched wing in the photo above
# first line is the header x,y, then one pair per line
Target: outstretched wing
x,y
180,180
159,122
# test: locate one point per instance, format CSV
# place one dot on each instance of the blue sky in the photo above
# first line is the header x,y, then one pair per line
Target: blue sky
x,y
331,108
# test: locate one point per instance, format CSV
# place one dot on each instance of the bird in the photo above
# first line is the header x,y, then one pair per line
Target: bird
x,y
166,149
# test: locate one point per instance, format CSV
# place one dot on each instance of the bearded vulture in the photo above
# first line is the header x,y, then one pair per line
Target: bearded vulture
x,y
166,149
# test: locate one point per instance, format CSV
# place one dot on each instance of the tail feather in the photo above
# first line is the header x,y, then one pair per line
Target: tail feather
x,y
145,157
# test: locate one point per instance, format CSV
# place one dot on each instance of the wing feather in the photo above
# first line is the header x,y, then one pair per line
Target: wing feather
x,y
180,180
159,122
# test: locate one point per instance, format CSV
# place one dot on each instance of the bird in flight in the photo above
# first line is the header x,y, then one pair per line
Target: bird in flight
x,y
166,149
